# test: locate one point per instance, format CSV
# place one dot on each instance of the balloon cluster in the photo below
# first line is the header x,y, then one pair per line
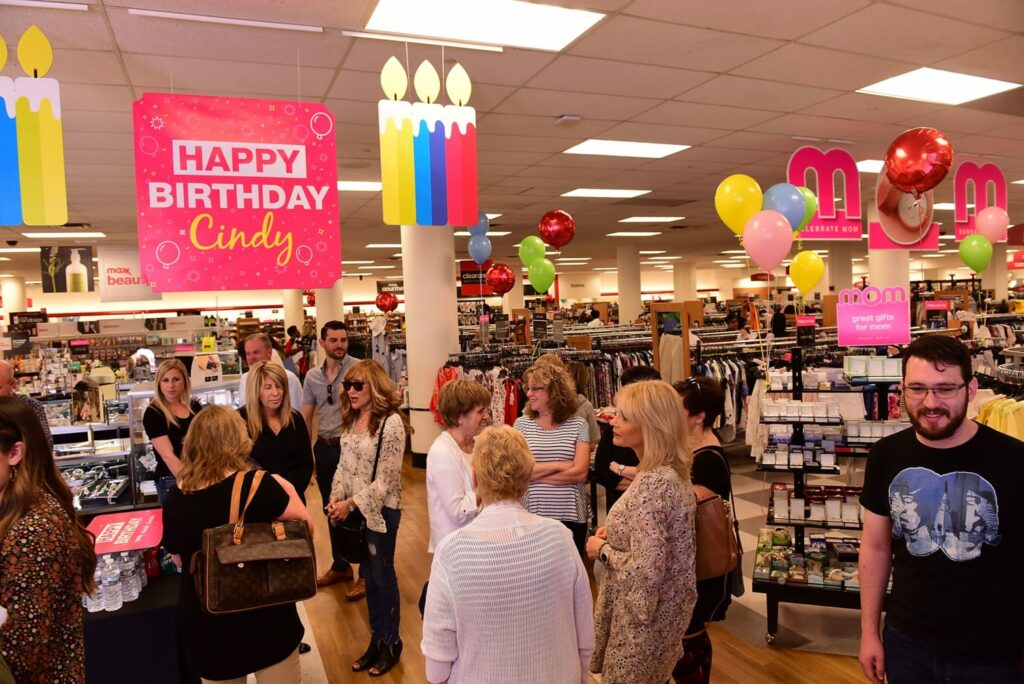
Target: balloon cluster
x,y
557,229
768,222
499,277
990,225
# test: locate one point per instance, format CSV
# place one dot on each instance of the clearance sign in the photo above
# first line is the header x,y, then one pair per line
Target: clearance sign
x,y
235,194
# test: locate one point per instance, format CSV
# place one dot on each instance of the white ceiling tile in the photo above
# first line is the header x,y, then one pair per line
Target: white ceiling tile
x,y
87,121
357,85
677,113
83,66
817,126
353,110
528,101
105,98
149,72
75,140
64,30
1000,14
814,66
539,126
587,75
982,144
488,139
965,120
510,157
1001,60
650,42
658,133
902,34
759,141
859,106
737,91
786,19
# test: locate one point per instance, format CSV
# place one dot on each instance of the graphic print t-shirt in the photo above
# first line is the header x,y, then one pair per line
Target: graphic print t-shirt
x,y
957,518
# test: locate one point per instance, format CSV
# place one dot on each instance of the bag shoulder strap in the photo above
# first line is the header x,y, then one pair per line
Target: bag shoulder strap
x,y
236,497
732,497
256,479
380,441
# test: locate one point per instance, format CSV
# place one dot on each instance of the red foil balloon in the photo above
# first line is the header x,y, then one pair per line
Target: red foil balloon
x,y
387,302
918,160
556,228
501,278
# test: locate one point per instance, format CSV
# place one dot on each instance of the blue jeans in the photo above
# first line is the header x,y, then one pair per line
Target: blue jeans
x,y
908,662
164,485
325,460
382,598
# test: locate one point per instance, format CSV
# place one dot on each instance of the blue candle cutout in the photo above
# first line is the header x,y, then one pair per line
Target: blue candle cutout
x,y
438,175
10,180
421,158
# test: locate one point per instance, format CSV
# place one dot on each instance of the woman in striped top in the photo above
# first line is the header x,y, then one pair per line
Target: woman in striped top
x,y
560,443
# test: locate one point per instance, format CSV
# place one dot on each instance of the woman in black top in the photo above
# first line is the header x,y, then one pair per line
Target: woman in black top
x,y
218,647
166,421
703,402
615,466
280,439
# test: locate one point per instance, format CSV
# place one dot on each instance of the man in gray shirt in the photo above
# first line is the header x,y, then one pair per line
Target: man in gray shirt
x,y
320,393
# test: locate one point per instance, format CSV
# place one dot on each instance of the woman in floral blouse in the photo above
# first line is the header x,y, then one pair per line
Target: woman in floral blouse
x,y
370,416
46,557
648,588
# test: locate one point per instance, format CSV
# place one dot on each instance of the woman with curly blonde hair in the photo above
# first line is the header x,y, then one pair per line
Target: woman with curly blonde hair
x,y
230,646
369,479
560,442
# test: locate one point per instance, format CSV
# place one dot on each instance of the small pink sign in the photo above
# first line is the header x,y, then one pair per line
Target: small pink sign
x,y
873,317
941,305
130,531
805,321
877,239
980,178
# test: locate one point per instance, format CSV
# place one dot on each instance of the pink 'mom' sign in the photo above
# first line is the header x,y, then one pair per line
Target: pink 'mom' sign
x,y
235,193
980,177
873,316
830,222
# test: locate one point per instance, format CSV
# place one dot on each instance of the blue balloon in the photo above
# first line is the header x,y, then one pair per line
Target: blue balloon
x,y
482,224
479,248
788,201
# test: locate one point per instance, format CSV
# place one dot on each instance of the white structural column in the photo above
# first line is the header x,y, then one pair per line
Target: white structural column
x,y
13,292
294,314
994,277
330,304
889,268
628,263
840,267
431,321
684,281
514,298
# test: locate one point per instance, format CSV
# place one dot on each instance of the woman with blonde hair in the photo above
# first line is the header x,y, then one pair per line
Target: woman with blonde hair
x,y
166,421
478,625
560,442
280,438
369,479
227,648
648,588
46,557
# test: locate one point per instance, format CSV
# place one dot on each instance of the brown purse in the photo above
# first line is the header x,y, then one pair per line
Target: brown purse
x,y
247,567
717,551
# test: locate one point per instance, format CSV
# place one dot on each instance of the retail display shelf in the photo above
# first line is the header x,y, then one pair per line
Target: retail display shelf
x,y
87,427
97,455
816,524
812,470
833,390
25,374
796,420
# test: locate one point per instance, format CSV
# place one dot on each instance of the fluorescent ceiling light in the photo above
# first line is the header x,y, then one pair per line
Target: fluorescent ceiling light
x,y
933,256
652,251
604,192
733,266
377,268
206,19
5,258
606,268
652,219
733,251
493,216
397,256
496,22
1020,182
61,236
947,237
384,245
948,206
936,85
651,263
668,258
569,260
490,233
635,233
957,251
44,4
354,263
6,275
399,38
393,277
19,250
723,261
33,282
870,165
857,259
664,267
625,148
360,186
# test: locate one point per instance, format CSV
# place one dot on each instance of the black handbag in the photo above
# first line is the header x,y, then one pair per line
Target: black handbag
x,y
351,532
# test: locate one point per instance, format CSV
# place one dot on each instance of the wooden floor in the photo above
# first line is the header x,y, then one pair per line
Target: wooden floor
x,y
342,631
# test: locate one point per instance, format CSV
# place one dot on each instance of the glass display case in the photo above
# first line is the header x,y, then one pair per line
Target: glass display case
x,y
143,457
95,462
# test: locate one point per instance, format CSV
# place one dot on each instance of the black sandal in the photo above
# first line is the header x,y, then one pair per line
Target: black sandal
x,y
389,656
371,656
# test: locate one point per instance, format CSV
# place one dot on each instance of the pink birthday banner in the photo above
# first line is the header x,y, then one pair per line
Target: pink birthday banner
x,y
235,193
873,317
981,178
829,222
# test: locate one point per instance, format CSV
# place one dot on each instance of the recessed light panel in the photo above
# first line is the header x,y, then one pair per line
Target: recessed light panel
x,y
937,85
359,186
638,233
870,165
63,236
624,148
605,192
652,219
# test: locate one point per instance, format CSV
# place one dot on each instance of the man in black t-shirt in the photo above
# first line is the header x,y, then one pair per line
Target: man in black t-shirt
x,y
943,509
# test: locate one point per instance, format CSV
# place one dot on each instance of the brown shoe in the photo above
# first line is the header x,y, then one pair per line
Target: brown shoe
x,y
357,592
333,577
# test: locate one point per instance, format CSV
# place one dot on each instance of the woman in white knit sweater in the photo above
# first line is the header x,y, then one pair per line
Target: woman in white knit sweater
x,y
509,598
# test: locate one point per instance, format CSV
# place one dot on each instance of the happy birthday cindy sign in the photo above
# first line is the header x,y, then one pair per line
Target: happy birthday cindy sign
x,y
235,194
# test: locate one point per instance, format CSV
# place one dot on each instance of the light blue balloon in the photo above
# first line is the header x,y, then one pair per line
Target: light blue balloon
x,y
479,248
482,224
788,201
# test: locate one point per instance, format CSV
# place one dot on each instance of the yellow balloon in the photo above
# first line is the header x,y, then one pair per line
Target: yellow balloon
x,y
737,198
806,270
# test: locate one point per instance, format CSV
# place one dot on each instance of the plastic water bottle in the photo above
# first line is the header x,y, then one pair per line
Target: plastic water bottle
x,y
129,580
112,599
140,569
94,602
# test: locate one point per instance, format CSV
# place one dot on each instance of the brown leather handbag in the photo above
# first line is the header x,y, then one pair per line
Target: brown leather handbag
x,y
244,567
717,552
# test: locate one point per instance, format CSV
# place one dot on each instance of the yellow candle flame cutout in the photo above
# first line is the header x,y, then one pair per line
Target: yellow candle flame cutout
x,y
393,79
458,86
427,82
3,53
34,52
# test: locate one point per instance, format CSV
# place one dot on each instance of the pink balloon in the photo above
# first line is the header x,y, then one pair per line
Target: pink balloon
x,y
992,222
767,238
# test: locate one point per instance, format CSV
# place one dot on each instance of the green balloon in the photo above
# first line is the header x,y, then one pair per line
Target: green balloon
x,y
531,249
812,206
542,274
976,252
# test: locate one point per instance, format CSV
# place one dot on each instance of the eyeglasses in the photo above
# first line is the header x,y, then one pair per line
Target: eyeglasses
x,y
357,385
535,389
940,392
